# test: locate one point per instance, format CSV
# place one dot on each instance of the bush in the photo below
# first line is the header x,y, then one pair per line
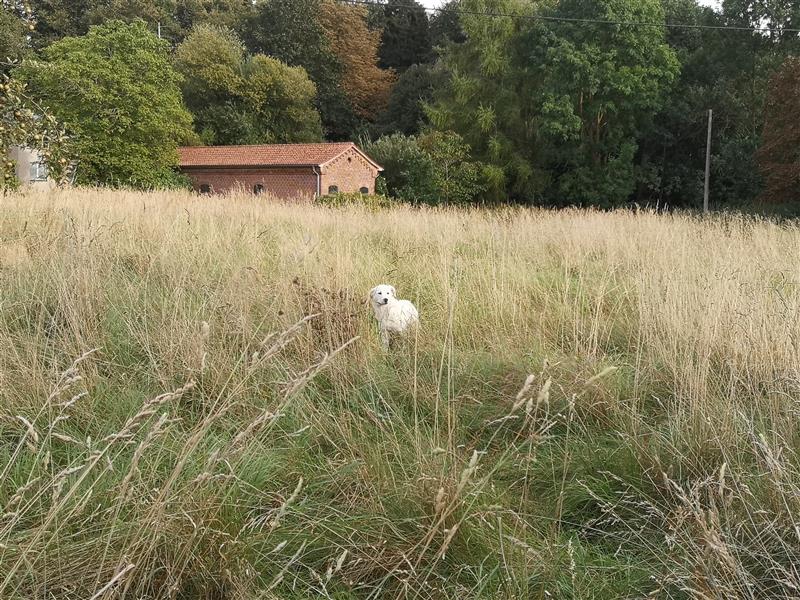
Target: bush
x,y
434,168
408,169
370,201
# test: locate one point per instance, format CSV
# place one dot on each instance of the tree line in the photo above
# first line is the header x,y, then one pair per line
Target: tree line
x,y
591,102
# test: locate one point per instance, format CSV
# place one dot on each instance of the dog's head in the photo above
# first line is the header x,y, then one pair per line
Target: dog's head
x,y
381,295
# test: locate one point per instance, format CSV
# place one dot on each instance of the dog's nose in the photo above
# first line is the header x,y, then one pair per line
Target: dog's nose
x,y
386,301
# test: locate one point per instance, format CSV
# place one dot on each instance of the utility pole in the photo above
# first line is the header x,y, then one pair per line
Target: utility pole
x,y
708,163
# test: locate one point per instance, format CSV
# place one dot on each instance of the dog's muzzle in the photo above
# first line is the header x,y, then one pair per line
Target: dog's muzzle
x,y
385,301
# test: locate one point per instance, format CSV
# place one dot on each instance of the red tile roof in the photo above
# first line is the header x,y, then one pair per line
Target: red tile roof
x,y
275,155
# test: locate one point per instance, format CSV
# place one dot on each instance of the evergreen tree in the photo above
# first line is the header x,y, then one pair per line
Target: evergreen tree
x,y
406,37
446,25
405,112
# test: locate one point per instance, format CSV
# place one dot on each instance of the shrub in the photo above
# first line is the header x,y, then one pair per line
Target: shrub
x,y
408,169
434,168
370,201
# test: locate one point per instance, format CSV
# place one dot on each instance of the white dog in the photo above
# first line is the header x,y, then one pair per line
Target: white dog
x,y
393,315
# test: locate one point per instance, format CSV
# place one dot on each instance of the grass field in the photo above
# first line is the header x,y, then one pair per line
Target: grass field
x,y
194,403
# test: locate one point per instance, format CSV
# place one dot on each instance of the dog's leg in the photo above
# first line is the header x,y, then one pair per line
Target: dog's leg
x,y
385,339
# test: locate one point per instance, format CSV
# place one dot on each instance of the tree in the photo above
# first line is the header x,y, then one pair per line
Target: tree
x,y
599,86
118,97
405,111
456,178
15,25
283,100
25,123
558,103
446,25
488,97
671,154
779,154
408,169
431,169
152,12
406,37
223,13
729,72
290,30
64,18
242,99
57,19
356,46
176,17
778,17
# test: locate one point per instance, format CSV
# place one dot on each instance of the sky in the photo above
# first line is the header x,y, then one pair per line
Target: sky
x,y
437,3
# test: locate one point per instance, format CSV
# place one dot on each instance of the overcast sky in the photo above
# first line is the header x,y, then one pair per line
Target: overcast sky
x,y
436,3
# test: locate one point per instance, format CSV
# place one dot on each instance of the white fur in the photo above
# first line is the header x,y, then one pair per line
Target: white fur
x,y
393,315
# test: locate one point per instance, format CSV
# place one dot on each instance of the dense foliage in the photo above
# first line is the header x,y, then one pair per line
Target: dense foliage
x,y
15,24
237,98
405,111
408,169
291,31
779,155
431,169
175,18
25,123
570,101
557,104
365,83
406,37
117,94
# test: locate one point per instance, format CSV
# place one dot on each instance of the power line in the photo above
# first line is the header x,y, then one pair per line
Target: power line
x,y
459,11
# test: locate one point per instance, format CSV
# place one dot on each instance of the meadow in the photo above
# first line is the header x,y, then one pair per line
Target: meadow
x,y
194,403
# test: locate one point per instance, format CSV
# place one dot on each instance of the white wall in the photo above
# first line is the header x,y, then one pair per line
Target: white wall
x,y
23,157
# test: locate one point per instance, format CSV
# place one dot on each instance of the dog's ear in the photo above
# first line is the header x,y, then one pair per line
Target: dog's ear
x,y
371,295
394,292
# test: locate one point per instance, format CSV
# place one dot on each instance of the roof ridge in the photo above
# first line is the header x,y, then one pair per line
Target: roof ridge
x,y
273,145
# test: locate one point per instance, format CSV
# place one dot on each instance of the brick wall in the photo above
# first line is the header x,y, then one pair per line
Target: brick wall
x,y
281,183
349,172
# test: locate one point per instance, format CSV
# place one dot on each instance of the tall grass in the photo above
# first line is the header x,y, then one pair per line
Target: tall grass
x,y
194,402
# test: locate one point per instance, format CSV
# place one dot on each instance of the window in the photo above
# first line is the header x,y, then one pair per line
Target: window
x,y
364,191
334,189
205,188
258,189
38,171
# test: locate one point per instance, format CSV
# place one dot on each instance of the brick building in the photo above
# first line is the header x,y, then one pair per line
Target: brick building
x,y
281,170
